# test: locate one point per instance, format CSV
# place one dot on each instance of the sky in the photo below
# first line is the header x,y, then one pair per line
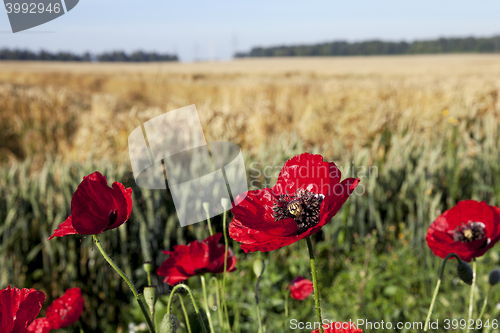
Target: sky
x,y
214,30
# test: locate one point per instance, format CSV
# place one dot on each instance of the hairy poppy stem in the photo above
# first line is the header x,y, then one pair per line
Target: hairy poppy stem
x,y
207,309
485,303
472,287
224,229
169,304
286,304
186,317
206,207
257,299
436,289
127,280
219,309
315,283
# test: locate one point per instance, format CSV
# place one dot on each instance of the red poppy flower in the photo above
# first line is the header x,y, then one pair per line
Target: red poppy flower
x,y
96,207
300,288
306,196
196,258
18,308
469,229
340,327
64,311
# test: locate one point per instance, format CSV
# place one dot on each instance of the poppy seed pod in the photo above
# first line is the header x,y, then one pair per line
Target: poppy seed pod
x,y
148,267
150,296
464,272
494,277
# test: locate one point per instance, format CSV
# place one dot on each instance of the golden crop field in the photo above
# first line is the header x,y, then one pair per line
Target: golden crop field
x,y
81,109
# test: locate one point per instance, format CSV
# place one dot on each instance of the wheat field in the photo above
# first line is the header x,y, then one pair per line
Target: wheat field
x,y
75,110
428,124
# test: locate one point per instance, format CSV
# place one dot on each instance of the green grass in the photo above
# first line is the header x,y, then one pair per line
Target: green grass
x,y
373,262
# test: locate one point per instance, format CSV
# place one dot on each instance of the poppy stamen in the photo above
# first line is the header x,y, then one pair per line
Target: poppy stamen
x,y
469,232
304,207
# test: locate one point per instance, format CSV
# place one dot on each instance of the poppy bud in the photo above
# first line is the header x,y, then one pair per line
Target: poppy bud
x,y
494,277
168,324
206,206
150,296
225,203
148,267
464,272
258,267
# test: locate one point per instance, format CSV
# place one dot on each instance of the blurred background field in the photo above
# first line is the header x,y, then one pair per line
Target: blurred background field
x,y
426,126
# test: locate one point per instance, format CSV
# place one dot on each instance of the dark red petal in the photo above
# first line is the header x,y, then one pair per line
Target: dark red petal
x,y
307,171
66,310
186,261
127,193
122,205
216,250
28,303
253,220
40,325
340,194
7,298
196,258
65,228
300,289
92,203
98,177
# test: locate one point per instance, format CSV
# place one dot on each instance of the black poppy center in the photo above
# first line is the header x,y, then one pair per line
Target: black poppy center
x,y
469,232
113,215
304,207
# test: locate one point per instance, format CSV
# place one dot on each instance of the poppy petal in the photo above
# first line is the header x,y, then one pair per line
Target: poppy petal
x,y
66,310
40,325
65,228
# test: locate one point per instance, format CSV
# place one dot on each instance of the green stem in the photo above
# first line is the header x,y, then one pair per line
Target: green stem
x,y
472,287
226,244
207,309
127,280
315,284
485,302
257,300
219,309
259,319
188,325
286,304
80,327
206,207
181,285
436,289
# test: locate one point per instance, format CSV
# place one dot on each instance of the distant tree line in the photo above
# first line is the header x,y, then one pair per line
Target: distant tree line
x,y
138,56
377,47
